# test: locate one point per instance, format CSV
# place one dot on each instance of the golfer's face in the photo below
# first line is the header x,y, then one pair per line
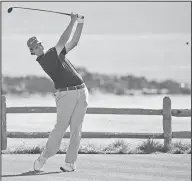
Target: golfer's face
x,y
37,49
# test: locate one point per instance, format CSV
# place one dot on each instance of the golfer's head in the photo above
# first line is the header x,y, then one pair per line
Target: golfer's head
x,y
35,46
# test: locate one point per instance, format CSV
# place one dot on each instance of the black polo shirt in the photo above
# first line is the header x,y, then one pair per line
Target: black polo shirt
x,y
59,69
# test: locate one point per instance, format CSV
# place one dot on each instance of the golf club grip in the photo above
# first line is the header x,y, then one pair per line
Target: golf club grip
x,y
79,16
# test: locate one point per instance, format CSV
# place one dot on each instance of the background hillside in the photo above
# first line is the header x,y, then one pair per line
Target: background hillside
x,y
120,85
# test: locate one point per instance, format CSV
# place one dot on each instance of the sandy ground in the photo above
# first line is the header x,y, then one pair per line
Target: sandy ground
x,y
158,167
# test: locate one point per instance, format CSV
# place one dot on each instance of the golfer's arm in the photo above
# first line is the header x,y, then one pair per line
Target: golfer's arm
x,y
75,39
64,37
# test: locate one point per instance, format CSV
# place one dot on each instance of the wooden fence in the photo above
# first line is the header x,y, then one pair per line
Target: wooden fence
x,y
166,112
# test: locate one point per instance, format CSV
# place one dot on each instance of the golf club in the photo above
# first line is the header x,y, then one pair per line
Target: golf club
x,y
11,9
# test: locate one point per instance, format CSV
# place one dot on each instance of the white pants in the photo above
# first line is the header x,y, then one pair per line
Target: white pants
x,y
71,109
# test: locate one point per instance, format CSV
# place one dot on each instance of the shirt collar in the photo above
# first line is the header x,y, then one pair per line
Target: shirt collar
x,y
39,57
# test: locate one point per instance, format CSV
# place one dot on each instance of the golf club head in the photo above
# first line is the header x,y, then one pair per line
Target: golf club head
x,y
10,10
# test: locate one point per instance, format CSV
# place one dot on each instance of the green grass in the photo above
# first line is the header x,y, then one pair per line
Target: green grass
x,y
180,148
150,146
118,147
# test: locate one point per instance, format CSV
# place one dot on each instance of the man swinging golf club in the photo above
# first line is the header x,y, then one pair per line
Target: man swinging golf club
x,y
71,94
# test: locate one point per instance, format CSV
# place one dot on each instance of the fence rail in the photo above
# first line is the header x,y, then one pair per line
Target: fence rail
x,y
95,110
178,134
166,112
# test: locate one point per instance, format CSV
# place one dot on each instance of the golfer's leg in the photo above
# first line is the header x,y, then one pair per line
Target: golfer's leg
x,y
76,126
65,106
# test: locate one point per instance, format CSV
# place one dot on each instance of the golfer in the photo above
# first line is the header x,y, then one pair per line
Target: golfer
x,y
71,94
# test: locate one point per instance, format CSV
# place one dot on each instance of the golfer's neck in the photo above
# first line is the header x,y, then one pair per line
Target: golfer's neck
x,y
40,53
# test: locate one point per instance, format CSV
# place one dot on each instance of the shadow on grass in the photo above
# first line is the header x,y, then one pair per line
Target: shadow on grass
x,y
30,173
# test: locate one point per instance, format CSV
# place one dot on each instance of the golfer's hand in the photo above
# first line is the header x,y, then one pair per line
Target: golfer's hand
x,y
80,18
73,17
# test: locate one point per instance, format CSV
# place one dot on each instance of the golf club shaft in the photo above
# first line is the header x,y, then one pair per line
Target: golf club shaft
x,y
45,11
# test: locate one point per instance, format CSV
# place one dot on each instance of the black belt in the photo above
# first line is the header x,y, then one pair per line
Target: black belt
x,y
72,88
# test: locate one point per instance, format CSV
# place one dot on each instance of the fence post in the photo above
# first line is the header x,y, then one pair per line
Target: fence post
x,y
4,124
167,126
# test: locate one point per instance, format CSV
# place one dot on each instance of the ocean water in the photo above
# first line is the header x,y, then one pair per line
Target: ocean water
x,y
100,123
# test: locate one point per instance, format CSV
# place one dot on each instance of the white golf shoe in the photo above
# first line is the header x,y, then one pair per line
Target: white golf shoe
x,y
68,167
39,163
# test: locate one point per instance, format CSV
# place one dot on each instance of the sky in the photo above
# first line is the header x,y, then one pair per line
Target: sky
x,y
139,38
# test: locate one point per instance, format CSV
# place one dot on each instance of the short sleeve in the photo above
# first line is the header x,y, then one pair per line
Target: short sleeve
x,y
63,52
